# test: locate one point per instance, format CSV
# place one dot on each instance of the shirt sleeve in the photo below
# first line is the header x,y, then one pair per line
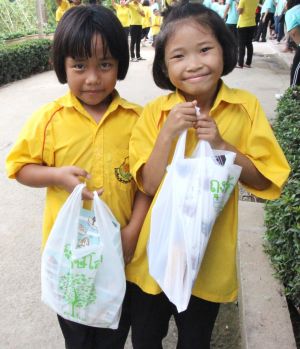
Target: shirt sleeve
x,y
142,141
266,154
30,146
241,4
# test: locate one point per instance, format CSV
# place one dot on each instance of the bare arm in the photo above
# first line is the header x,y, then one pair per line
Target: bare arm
x,y
249,175
130,233
181,117
66,177
226,10
265,16
207,129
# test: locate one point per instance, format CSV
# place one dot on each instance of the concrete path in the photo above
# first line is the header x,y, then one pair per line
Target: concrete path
x,y
25,323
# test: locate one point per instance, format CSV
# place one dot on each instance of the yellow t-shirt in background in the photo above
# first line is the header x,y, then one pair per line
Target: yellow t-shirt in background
x,y
242,123
156,23
61,9
135,17
122,13
62,133
247,18
146,22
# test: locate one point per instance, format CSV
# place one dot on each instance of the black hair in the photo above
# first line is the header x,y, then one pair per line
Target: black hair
x,y
203,16
74,34
291,3
146,3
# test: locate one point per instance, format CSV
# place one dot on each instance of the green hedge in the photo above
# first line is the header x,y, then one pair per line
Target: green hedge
x,y
283,215
22,60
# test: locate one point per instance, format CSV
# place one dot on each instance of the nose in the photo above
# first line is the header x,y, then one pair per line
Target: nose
x,y
194,63
93,77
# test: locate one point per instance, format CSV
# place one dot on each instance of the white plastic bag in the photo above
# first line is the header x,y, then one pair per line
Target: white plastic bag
x,y
193,193
82,271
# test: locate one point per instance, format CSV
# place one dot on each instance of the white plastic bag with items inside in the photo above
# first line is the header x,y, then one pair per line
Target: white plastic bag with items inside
x,y
193,193
82,270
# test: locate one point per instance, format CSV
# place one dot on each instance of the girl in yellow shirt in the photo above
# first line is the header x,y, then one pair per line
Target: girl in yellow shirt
x,y
193,51
146,23
122,13
84,136
156,21
63,6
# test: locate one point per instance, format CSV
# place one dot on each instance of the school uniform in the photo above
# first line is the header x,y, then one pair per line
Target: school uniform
x,y
61,9
242,123
268,7
146,22
122,13
246,27
232,17
295,69
63,133
279,19
155,27
136,21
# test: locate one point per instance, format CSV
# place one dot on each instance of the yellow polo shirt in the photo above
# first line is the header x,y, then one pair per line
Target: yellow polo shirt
x,y
61,9
156,24
62,133
135,17
242,123
146,21
247,18
122,13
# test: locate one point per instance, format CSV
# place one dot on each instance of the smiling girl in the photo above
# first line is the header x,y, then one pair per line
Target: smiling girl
x,y
193,51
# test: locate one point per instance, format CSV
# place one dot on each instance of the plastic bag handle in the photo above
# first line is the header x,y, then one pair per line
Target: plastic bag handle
x,y
106,237
180,147
203,149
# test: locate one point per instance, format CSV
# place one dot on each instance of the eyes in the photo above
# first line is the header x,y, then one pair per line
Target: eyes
x,y
180,55
81,66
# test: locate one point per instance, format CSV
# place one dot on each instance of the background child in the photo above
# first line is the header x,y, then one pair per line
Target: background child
x,y
246,27
84,136
146,23
156,21
193,50
292,20
136,14
122,13
63,6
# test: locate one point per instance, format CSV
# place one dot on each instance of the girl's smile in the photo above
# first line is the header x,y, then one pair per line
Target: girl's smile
x,y
194,60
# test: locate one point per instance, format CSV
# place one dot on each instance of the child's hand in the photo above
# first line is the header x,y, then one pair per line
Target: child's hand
x,y
129,242
207,129
181,117
70,176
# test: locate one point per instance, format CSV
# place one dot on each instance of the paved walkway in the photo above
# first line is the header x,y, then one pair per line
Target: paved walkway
x,y
25,323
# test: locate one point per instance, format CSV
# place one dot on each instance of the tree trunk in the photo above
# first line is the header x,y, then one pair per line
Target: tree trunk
x,y
40,10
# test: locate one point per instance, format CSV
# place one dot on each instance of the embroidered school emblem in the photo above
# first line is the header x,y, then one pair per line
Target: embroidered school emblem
x,y
122,173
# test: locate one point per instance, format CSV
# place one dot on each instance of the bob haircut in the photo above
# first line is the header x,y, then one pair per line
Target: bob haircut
x,y
206,18
74,34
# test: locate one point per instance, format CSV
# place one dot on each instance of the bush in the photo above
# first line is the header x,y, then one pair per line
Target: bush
x,y
283,215
22,60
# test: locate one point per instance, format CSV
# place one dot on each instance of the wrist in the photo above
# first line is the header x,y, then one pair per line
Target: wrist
x,y
55,175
